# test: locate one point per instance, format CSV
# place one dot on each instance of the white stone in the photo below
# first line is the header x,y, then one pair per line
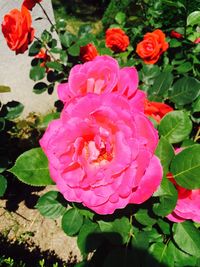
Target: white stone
x,y
14,70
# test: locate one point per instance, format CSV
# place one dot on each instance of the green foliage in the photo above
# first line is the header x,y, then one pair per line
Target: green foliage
x,y
186,167
187,238
72,221
51,205
168,198
31,167
175,126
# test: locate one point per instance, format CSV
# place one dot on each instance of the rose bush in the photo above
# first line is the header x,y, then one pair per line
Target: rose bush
x,y
152,46
101,154
117,40
17,30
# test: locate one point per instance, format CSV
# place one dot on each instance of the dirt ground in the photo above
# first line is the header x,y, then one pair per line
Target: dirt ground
x,y
21,223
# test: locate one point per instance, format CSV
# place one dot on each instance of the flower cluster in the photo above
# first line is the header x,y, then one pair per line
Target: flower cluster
x,y
101,150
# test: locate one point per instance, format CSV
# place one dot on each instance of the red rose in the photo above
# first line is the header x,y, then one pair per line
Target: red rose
x,y
17,30
152,46
117,40
88,52
45,58
30,3
176,35
156,110
197,41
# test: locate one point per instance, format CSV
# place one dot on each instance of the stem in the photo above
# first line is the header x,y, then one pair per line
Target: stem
x,y
197,136
48,18
46,47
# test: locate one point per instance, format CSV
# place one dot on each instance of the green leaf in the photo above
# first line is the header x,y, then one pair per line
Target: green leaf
x,y
193,18
67,39
160,87
120,17
39,88
47,119
182,259
35,48
54,65
46,36
175,126
186,167
162,253
140,240
175,43
168,198
187,237
165,152
89,237
37,73
164,226
4,89
74,50
50,205
118,230
72,221
2,124
148,73
143,217
31,167
12,110
185,90
185,67
196,105
3,185
84,211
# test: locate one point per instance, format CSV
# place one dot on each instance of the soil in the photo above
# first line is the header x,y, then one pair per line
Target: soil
x,y
25,231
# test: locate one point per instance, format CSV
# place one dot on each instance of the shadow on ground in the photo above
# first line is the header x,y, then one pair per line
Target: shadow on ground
x,y
30,255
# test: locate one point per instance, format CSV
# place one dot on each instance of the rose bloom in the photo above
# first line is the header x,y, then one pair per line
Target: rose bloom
x,y
152,46
17,30
45,58
30,3
101,153
103,75
117,40
188,204
197,41
176,35
88,52
156,110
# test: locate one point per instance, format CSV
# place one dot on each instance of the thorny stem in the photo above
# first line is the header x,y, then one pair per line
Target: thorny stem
x,y
48,18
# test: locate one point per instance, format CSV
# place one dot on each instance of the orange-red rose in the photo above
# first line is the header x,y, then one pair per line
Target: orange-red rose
x,y
17,30
176,35
117,40
30,3
88,52
156,110
152,46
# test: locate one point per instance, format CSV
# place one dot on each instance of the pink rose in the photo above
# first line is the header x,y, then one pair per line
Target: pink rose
x,y
188,204
101,153
102,75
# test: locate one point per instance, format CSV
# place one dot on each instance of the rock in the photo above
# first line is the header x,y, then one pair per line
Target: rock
x,y
14,70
